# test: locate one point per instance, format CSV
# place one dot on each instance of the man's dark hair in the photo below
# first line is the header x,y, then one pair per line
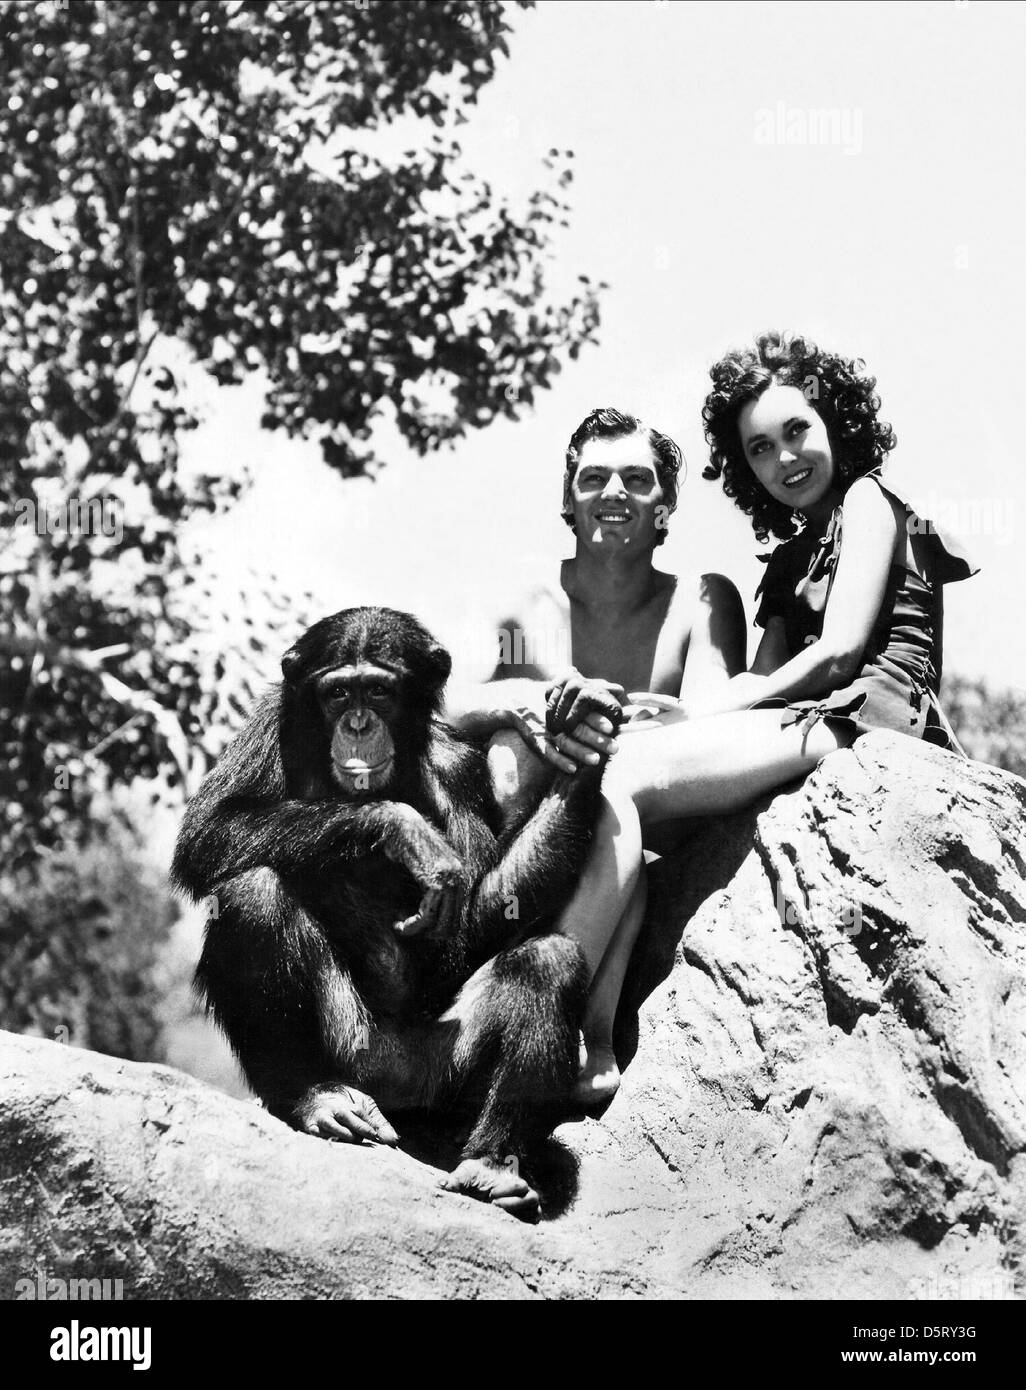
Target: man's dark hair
x,y
608,423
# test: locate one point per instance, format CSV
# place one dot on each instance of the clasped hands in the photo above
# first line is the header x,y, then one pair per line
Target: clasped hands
x,y
584,718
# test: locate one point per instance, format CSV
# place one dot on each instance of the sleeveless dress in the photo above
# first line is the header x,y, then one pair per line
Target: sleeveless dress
x,y
896,687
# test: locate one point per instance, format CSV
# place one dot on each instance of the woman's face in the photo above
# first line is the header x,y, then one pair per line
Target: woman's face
x,y
786,445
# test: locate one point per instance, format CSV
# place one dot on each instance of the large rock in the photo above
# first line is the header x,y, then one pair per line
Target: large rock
x,y
827,1096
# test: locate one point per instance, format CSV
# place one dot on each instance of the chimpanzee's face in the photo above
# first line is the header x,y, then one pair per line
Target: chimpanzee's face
x,y
360,704
371,680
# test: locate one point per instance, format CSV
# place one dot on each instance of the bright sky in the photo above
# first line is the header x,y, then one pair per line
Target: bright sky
x,y
701,197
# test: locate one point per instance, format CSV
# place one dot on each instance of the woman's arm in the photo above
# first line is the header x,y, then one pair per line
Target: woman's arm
x,y
870,530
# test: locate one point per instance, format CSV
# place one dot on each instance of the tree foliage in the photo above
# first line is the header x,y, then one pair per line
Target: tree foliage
x,y
991,724
214,176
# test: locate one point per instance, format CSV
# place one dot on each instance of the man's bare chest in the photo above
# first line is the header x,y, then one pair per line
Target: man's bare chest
x,y
642,651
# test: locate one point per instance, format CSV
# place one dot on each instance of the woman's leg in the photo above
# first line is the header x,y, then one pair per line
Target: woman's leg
x,y
718,764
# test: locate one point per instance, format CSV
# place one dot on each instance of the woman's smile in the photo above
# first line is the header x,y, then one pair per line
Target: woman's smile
x,y
798,477
787,447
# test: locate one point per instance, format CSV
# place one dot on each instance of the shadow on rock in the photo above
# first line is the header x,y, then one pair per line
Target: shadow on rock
x,y
550,1167
703,863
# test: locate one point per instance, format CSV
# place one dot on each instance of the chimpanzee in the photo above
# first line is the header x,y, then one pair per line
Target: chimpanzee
x,y
375,925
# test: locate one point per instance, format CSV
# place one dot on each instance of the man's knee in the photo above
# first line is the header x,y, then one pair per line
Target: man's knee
x,y
516,771
620,791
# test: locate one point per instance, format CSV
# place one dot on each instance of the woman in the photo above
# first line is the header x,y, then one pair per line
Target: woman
x,y
851,615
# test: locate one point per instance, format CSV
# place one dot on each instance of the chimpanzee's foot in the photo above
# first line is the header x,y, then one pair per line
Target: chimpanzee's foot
x,y
499,1183
599,1077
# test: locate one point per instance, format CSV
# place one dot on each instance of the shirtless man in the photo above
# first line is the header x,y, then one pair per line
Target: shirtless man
x,y
617,625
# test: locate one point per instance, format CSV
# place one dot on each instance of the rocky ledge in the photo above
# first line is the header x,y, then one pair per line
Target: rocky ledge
x,y
826,1096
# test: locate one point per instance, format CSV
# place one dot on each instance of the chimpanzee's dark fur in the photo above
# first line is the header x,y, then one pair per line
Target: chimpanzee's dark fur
x,y
302,966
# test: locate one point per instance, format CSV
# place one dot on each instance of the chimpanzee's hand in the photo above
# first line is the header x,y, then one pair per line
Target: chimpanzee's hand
x,y
420,848
436,917
423,850
344,1114
572,700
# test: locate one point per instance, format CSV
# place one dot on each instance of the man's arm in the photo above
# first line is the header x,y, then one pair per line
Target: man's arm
x,y
483,708
718,643
510,700
713,652
516,688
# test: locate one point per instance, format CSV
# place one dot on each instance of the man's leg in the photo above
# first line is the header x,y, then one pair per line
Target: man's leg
x,y
518,775
703,767
600,1075
607,909
708,766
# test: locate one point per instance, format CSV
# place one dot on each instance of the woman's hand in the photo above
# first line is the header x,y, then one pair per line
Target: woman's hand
x,y
743,691
739,693
647,710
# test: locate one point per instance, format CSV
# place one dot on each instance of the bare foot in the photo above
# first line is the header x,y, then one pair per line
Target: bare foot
x,y
499,1183
599,1078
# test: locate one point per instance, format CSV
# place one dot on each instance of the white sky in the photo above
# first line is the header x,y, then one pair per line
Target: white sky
x,y
902,243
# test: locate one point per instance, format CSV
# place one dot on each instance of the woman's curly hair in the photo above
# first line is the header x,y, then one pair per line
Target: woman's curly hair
x,y
838,388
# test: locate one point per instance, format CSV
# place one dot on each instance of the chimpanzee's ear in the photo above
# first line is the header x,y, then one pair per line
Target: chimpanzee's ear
x,y
290,664
441,662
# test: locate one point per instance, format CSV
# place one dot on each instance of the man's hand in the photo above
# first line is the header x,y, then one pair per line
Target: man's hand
x,y
585,747
581,719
